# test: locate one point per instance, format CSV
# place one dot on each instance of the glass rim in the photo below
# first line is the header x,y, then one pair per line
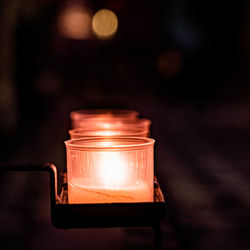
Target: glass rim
x,y
131,132
112,123
133,143
106,112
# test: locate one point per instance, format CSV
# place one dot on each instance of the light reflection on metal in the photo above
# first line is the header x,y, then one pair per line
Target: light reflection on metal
x,y
104,24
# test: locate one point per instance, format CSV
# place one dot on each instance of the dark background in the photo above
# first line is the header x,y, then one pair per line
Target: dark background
x,y
183,64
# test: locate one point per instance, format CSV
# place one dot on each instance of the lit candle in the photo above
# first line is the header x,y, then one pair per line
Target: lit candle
x,y
79,193
123,131
110,170
79,117
112,128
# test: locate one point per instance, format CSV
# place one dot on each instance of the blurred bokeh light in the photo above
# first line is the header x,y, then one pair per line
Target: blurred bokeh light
x,y
75,22
105,24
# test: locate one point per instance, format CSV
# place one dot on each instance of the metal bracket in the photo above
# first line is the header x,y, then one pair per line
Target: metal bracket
x,y
64,215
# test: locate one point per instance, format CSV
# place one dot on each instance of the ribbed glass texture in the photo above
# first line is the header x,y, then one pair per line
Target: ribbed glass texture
x,y
110,170
112,128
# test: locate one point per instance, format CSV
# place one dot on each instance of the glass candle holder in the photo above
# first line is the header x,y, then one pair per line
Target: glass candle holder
x,y
81,133
110,170
79,117
139,124
135,128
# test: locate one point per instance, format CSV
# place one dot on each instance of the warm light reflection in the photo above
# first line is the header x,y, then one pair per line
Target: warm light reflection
x,y
111,169
105,24
105,133
75,22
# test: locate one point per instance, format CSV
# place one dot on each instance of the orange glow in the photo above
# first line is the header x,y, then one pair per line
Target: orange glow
x,y
124,131
80,192
111,169
105,170
104,24
101,117
105,133
75,23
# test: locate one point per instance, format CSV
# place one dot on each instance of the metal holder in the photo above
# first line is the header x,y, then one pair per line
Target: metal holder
x,y
66,216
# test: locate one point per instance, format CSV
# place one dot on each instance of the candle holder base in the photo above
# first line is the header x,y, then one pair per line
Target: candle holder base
x,y
109,214
64,215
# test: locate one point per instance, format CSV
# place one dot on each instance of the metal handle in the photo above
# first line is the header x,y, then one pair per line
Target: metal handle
x,y
36,167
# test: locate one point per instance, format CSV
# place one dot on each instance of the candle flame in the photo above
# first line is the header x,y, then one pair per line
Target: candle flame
x,y
112,169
